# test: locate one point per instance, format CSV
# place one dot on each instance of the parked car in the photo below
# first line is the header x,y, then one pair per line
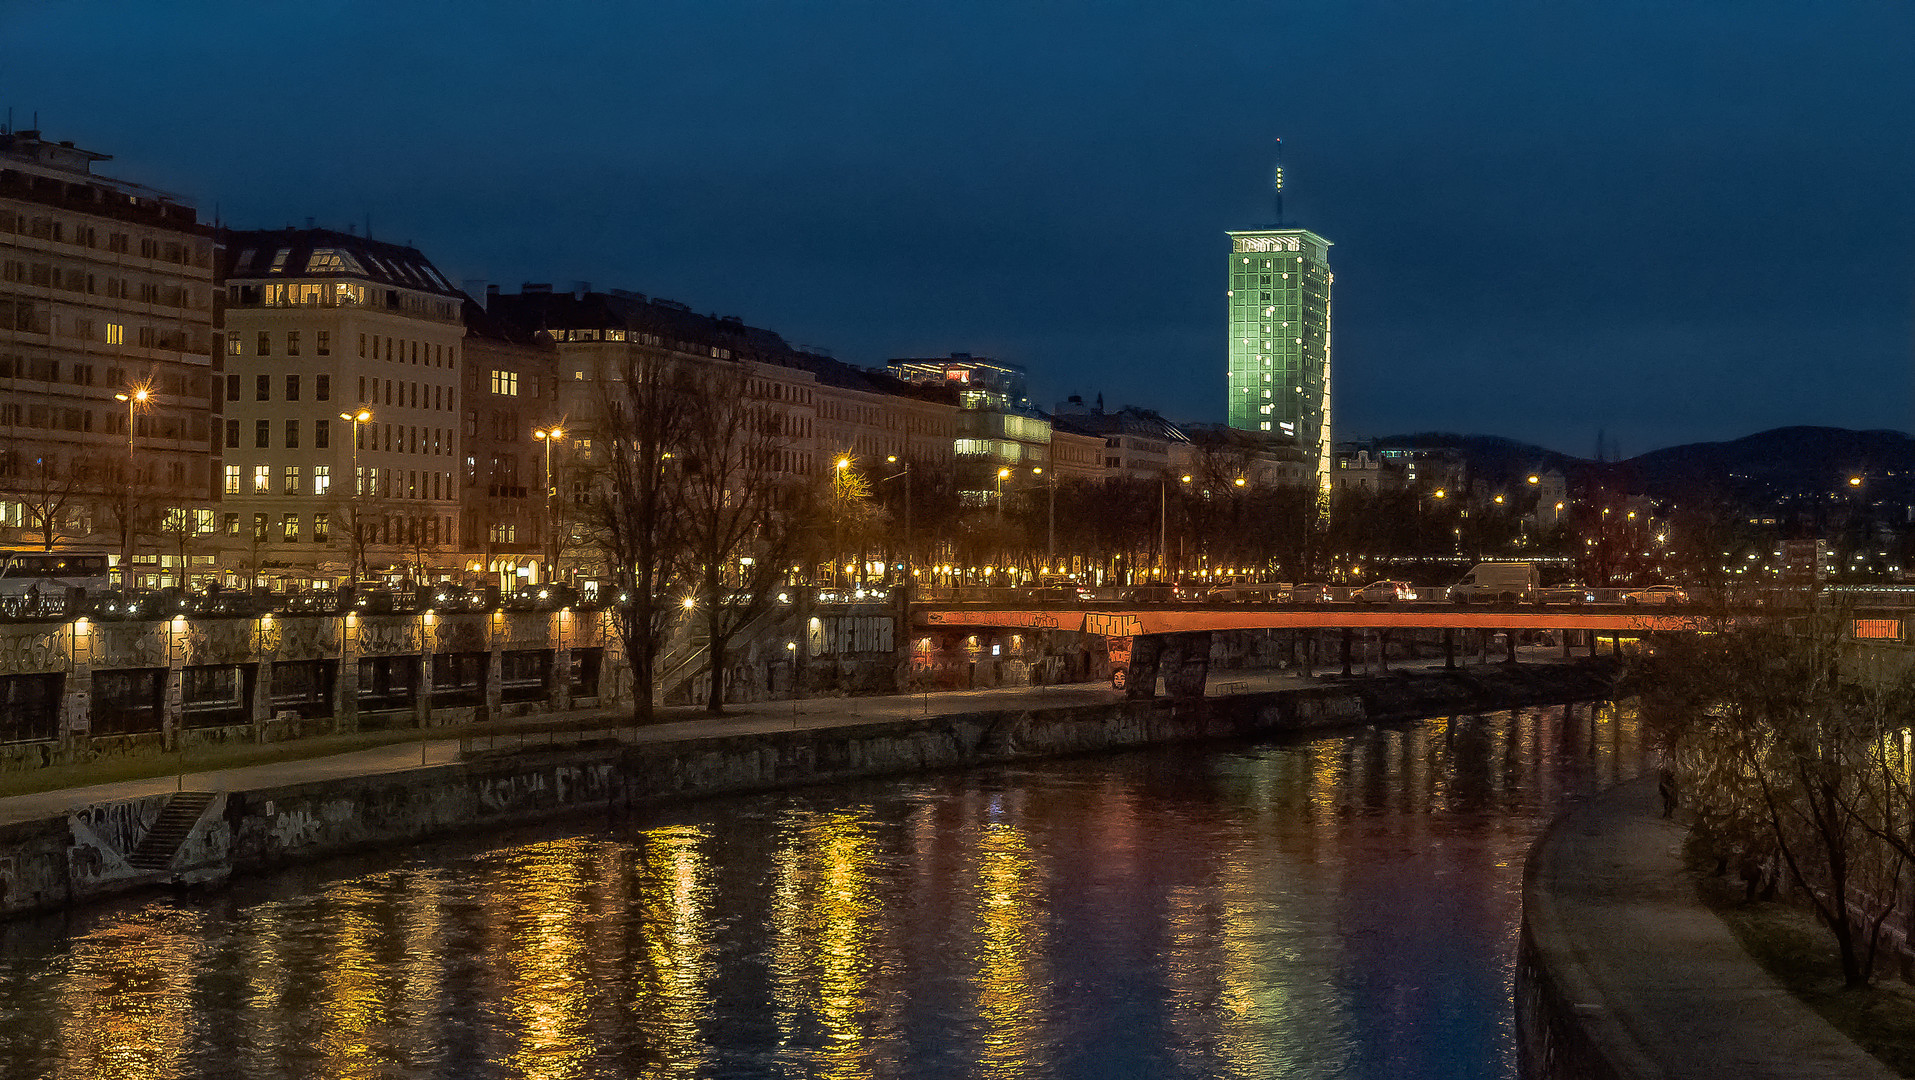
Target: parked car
x,y
1567,594
1496,582
1268,593
1656,594
1384,592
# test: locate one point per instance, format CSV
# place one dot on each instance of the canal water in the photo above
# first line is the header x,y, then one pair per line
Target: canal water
x,y
1341,907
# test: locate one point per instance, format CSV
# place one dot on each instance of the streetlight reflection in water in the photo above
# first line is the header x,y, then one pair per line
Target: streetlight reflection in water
x,y
1338,907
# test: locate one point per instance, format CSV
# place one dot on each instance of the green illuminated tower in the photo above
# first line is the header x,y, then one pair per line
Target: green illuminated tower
x,y
1280,338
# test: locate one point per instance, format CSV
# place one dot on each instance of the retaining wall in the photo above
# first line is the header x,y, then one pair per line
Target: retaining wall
x,y
83,854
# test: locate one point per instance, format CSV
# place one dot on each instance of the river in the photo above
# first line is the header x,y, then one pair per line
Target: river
x,y
1339,907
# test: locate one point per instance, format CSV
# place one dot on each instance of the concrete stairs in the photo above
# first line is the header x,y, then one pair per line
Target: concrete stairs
x,y
170,830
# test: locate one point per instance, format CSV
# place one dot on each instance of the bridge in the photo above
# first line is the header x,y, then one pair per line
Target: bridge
x,y
1173,639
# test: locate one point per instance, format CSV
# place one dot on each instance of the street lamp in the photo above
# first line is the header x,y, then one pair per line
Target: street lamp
x,y
548,436
136,398
1163,523
1050,534
358,543
904,470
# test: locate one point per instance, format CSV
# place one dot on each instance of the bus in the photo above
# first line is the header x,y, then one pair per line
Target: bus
x,y
52,574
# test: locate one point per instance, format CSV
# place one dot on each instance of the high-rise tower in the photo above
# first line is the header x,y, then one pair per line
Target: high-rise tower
x,y
1279,295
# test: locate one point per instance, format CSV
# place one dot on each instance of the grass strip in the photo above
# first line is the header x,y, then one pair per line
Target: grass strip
x,y
1799,953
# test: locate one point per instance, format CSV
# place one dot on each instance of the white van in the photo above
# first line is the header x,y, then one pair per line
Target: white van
x,y
1504,582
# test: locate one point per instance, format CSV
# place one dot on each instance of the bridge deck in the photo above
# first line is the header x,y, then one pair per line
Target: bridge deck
x,y
1143,619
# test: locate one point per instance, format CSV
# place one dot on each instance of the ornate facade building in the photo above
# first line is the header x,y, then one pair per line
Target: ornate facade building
x,y
342,397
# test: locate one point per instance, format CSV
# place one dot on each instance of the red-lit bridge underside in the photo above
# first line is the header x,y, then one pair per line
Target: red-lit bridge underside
x,y
1131,622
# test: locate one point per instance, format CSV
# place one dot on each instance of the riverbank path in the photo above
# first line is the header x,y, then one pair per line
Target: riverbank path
x,y
1658,982
670,724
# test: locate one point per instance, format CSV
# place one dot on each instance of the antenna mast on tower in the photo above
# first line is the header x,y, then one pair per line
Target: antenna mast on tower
x,y
1277,183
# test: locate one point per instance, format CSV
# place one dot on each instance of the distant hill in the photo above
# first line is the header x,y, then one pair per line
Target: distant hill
x,y
1756,469
1492,457
1785,461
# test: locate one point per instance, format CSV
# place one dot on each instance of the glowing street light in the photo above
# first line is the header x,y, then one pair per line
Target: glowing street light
x,y
548,436
357,417
135,397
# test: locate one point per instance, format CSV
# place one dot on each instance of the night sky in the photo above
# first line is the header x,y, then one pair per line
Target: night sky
x,y
1672,222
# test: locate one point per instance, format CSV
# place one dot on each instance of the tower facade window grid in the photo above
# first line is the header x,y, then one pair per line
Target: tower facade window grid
x,y
1279,357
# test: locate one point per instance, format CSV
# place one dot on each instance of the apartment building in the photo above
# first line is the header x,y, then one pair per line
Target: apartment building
x,y
107,363
1076,453
342,392
829,408
512,434
1138,443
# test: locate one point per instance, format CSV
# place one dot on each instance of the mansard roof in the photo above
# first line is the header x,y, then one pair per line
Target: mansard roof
x,y
287,254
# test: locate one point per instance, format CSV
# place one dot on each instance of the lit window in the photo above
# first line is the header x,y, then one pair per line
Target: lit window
x,y
232,479
289,528
505,383
292,480
115,334
322,527
262,478
322,480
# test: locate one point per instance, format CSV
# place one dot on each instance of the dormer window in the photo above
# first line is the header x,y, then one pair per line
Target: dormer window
x,y
333,261
279,261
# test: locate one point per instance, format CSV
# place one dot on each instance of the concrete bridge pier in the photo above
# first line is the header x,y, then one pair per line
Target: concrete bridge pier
x,y
1449,649
1185,663
1509,642
1140,675
1347,635
1182,659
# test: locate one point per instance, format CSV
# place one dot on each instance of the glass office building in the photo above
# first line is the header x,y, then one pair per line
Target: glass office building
x,y
1279,295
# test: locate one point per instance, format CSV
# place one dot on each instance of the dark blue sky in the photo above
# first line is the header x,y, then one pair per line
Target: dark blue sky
x,y
1672,222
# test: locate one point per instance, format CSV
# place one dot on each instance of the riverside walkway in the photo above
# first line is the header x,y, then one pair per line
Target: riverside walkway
x,y
669,725
1656,983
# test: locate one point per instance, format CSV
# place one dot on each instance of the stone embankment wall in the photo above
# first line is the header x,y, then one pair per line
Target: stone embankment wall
x,y
88,853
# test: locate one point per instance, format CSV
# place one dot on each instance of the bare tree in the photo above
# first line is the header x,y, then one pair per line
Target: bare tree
x,y
1783,760
45,490
740,511
628,506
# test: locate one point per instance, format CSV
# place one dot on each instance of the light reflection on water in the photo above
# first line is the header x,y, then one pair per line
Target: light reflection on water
x,y
1341,907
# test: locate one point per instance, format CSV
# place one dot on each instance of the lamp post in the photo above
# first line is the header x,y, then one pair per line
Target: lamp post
x,y
548,436
135,398
904,470
839,477
357,544
1163,523
1050,532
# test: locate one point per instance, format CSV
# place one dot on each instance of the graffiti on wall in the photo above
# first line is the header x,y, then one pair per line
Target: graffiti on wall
x,y
529,628
459,633
385,636
26,652
300,639
567,785
129,645
225,641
